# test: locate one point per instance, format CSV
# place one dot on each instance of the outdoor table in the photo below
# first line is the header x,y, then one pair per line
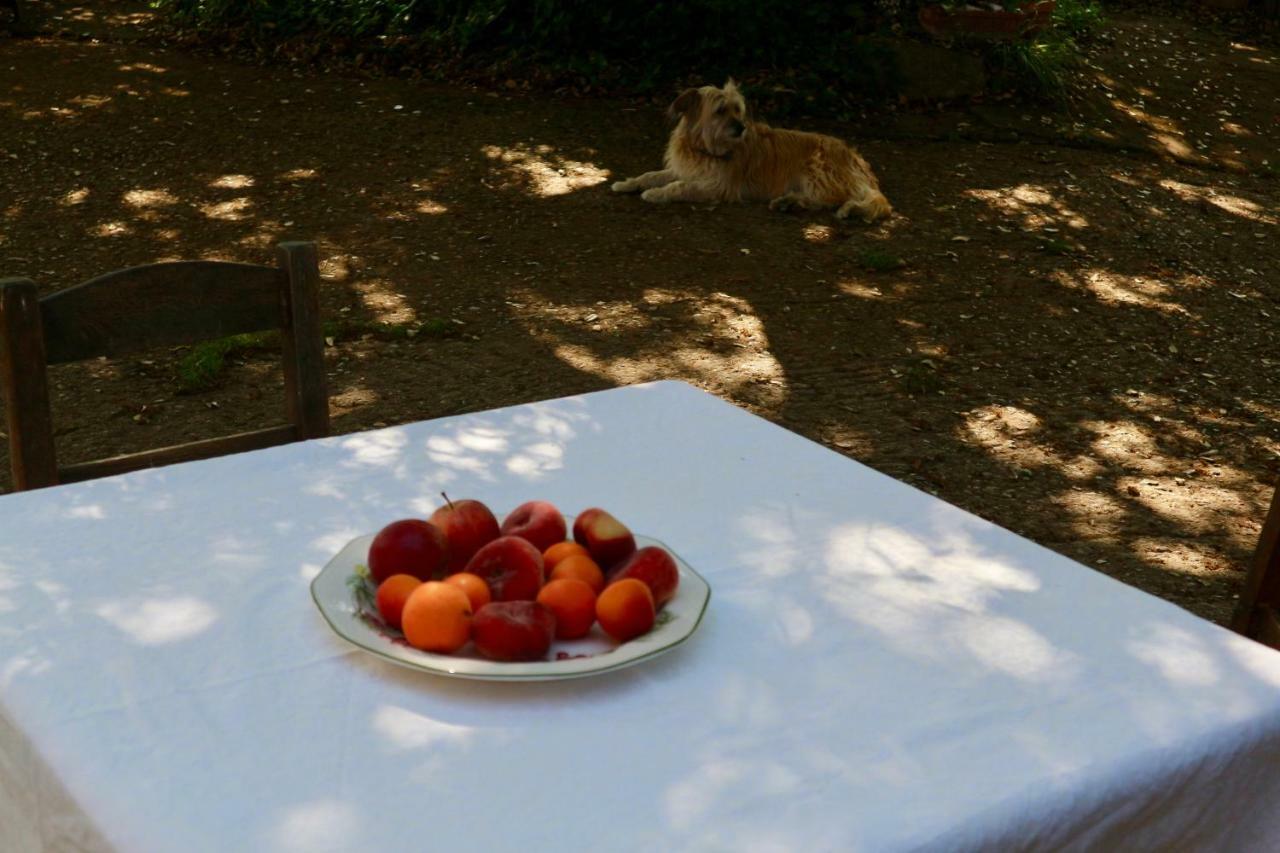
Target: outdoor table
x,y
877,669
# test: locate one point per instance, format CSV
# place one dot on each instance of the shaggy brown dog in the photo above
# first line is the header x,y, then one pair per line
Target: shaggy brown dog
x,y
716,154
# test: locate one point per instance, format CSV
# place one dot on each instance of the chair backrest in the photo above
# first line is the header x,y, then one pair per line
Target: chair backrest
x,y
156,305
1258,612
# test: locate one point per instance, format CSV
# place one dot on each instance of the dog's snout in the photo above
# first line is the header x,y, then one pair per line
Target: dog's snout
x,y
737,128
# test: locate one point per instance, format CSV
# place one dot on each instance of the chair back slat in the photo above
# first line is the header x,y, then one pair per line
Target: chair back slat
x,y
255,440
140,308
163,304
304,349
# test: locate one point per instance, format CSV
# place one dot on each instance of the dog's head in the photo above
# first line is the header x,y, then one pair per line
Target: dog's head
x,y
714,120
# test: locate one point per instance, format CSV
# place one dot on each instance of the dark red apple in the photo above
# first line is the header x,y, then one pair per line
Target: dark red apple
x,y
410,546
656,568
513,630
538,521
468,525
607,540
511,566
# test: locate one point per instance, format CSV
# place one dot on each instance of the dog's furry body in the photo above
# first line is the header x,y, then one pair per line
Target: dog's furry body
x,y
715,154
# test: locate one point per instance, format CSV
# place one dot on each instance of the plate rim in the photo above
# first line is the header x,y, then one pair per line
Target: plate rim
x,y
544,675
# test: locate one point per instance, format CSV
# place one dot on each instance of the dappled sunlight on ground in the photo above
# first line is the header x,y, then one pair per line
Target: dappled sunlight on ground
x,y
110,229
1197,508
547,172
149,198
1110,287
343,401
861,290
1007,433
385,303
75,196
1092,513
232,210
1127,443
1033,207
232,182
727,345
1225,202
815,233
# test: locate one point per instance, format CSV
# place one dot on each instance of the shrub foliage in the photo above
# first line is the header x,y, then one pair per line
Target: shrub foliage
x,y
821,49
640,45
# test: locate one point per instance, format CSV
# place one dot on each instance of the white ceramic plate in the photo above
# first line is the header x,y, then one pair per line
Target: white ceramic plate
x,y
345,599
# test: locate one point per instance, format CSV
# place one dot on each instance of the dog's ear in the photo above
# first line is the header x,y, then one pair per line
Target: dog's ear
x,y
687,105
731,86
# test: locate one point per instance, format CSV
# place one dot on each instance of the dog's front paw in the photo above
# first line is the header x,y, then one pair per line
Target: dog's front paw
x,y
627,186
783,203
655,195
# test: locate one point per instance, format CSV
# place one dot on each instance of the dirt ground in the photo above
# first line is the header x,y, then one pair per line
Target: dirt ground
x,y
1067,327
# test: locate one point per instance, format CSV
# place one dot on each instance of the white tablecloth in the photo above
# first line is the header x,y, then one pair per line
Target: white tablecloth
x,y
877,670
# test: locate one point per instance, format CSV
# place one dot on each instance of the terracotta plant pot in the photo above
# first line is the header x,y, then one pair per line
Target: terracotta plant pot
x,y
994,24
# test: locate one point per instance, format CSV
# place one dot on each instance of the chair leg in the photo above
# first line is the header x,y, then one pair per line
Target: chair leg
x,y
25,386
1262,585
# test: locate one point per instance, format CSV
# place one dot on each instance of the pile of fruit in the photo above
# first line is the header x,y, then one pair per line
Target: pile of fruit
x,y
510,590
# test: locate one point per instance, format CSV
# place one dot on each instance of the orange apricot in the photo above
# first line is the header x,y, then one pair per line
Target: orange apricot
x,y
474,586
574,604
391,596
581,567
625,609
437,618
559,551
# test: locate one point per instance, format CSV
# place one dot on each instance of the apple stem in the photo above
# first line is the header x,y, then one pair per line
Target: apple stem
x,y
446,499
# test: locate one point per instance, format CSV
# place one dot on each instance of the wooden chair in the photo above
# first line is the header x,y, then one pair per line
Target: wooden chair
x,y
158,305
1258,612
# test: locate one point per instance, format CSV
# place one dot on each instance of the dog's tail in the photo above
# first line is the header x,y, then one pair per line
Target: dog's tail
x,y
870,205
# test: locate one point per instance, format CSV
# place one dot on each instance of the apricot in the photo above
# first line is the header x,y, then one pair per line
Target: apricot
x,y
581,567
574,605
474,586
437,618
560,551
391,596
625,609
514,630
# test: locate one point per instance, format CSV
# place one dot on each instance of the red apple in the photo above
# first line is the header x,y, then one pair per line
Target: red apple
x,y
513,630
607,540
538,521
511,566
410,546
468,525
656,568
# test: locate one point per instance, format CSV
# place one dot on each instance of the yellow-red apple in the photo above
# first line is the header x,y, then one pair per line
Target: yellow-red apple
x,y
607,540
